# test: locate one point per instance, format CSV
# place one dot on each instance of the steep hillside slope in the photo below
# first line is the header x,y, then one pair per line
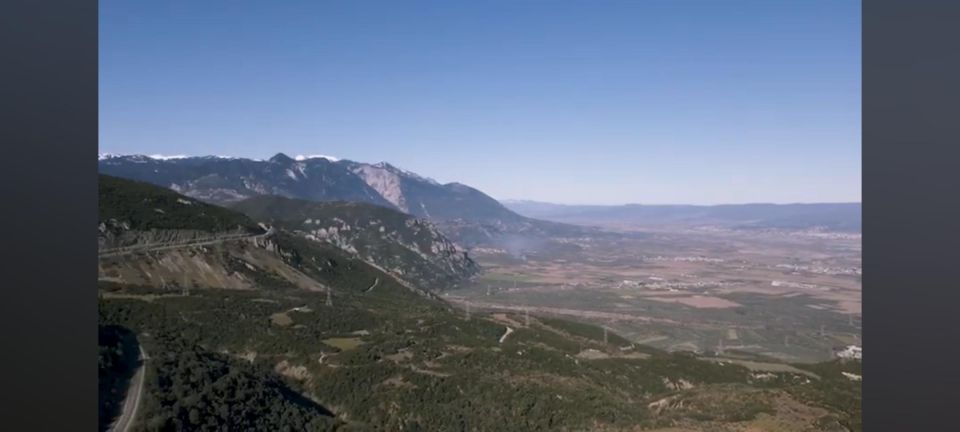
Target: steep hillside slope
x,y
156,237
151,236
142,206
410,248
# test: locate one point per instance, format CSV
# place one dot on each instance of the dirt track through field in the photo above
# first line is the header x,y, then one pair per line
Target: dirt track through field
x,y
541,310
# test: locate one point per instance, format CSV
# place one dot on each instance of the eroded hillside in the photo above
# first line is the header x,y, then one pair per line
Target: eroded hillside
x,y
410,248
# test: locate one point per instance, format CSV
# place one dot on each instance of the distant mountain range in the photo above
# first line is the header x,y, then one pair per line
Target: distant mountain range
x,y
465,214
843,217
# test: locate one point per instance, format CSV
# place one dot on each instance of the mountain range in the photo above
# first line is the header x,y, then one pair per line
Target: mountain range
x,y
465,213
843,217
222,180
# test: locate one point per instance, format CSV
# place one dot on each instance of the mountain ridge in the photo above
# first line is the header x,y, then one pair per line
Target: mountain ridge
x,y
226,180
201,176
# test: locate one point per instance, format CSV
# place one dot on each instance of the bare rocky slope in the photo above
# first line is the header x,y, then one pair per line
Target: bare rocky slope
x,y
405,246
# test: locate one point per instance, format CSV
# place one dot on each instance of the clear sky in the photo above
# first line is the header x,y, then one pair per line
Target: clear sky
x,y
582,102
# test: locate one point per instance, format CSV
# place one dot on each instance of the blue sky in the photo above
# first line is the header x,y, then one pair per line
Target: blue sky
x,y
591,102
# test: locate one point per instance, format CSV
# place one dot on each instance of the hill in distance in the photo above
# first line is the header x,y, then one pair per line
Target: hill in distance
x,y
841,217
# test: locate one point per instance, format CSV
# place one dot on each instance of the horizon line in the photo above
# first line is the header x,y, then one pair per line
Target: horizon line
x,y
516,200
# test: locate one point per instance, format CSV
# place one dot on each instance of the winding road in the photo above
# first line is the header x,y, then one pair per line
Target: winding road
x,y
505,334
132,401
150,247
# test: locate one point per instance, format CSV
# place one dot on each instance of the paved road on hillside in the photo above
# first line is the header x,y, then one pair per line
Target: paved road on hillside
x,y
132,402
505,334
151,247
375,282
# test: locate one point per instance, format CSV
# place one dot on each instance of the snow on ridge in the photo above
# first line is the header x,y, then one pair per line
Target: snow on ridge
x,y
301,158
105,156
164,157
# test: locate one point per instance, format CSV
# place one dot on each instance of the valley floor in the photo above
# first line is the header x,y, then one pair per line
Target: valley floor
x,y
790,295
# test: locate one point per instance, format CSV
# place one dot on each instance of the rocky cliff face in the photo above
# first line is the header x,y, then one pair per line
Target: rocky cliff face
x,y
375,243
387,183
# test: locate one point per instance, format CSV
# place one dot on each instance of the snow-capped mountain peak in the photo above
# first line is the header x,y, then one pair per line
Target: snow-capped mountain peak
x,y
301,158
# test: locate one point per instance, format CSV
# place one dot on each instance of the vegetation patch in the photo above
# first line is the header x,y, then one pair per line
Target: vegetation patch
x,y
344,344
281,319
